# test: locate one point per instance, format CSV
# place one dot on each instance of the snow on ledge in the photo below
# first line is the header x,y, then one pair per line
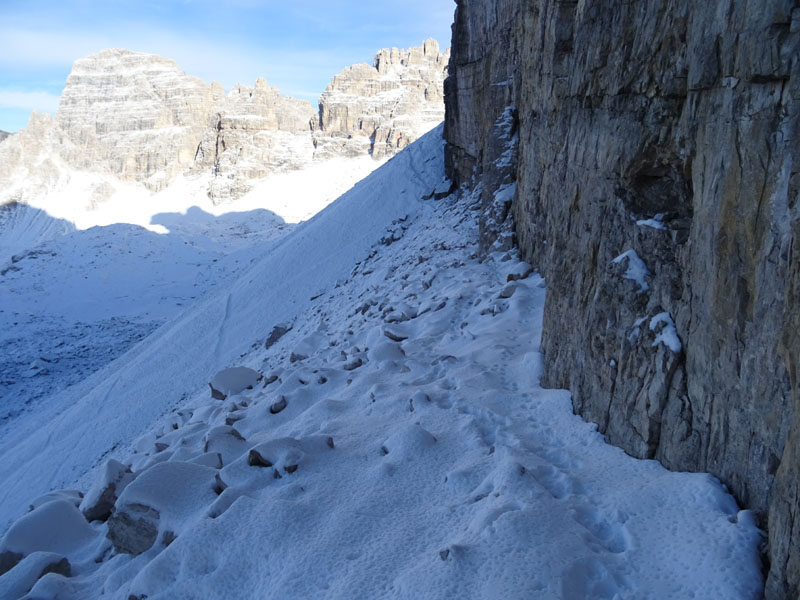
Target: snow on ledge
x,y
637,270
668,334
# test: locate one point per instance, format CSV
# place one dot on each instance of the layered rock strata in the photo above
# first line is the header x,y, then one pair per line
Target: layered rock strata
x,y
382,108
657,190
138,117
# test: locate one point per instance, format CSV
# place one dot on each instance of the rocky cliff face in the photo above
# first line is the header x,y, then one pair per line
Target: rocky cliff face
x,y
138,117
657,190
380,109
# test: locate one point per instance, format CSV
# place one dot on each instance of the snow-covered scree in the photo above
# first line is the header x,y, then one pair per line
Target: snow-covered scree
x,y
397,445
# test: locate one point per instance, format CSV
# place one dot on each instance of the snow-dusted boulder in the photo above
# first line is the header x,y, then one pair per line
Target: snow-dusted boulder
x,y
73,496
57,527
19,581
99,500
161,500
229,382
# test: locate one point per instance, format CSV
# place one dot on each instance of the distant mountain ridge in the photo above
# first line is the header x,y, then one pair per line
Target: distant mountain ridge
x,y
139,117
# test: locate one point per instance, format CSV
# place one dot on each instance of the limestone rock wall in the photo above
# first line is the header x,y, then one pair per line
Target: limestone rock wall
x,y
657,191
254,132
135,115
380,109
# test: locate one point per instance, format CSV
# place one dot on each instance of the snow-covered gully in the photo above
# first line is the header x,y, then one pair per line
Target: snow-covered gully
x,y
397,445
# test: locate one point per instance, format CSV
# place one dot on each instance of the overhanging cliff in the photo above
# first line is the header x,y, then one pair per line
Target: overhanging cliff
x,y
657,192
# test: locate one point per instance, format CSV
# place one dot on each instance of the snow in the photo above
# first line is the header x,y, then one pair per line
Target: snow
x,y
636,271
235,379
436,468
654,223
57,526
667,334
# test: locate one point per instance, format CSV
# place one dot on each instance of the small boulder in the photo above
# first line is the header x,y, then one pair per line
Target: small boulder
x,y
353,364
99,501
278,406
134,529
229,382
57,527
254,459
9,560
166,497
395,337
508,291
277,333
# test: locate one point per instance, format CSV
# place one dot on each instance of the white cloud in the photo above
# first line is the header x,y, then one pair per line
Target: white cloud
x,y
294,72
41,101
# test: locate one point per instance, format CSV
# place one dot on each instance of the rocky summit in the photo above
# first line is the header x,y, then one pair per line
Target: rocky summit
x,y
382,108
139,118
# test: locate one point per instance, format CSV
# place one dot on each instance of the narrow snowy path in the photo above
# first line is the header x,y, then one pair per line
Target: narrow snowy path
x,y
399,446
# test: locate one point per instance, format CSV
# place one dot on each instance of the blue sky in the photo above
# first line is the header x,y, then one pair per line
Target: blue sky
x,y
297,45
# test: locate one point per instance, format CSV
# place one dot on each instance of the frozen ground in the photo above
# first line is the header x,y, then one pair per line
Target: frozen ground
x,y
398,444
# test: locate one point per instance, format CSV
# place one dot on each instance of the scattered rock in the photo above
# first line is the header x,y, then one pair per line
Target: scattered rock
x,y
254,459
277,333
353,364
229,382
133,530
296,357
61,567
9,560
73,496
394,336
101,497
57,527
517,276
507,291
168,537
270,380
278,406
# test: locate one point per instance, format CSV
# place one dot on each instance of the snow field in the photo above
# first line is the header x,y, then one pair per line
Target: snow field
x,y
398,446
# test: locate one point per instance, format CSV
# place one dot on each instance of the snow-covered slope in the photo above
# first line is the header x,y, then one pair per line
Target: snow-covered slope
x,y
72,301
398,446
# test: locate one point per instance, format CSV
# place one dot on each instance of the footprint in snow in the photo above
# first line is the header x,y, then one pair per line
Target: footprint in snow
x,y
609,532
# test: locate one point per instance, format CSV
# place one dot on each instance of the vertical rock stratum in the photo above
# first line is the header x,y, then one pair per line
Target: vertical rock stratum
x,y
657,184
138,117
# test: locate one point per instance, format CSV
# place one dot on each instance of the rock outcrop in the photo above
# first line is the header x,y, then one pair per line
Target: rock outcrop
x,y
3,135
380,109
657,191
138,117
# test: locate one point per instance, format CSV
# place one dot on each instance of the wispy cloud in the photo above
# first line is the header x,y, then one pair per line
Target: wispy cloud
x,y
41,101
